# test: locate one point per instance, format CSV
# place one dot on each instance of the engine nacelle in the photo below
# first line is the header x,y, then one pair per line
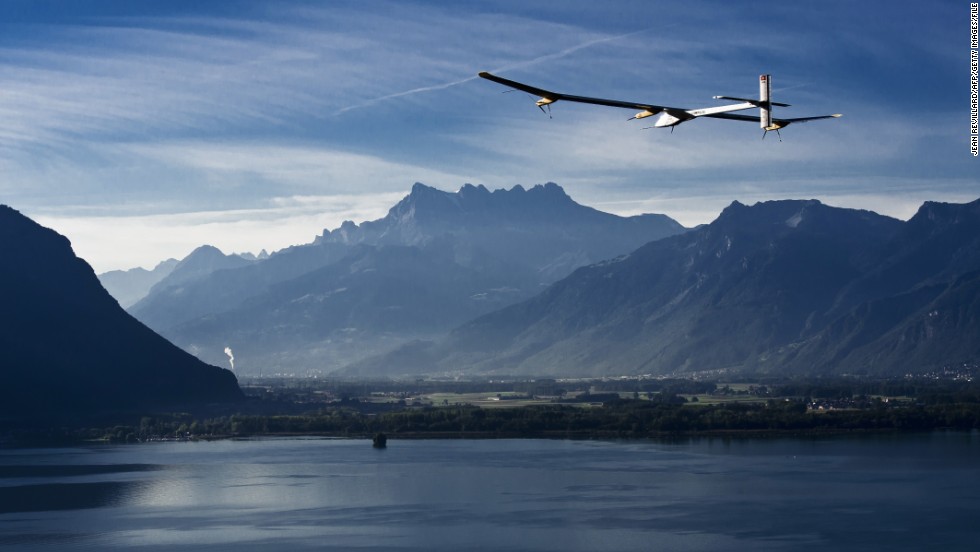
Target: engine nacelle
x,y
644,114
667,120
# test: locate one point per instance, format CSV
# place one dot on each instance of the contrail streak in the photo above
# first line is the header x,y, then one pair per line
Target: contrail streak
x,y
405,93
567,51
522,64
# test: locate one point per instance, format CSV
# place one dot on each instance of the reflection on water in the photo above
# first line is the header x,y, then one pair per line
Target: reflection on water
x,y
906,493
62,496
47,470
49,496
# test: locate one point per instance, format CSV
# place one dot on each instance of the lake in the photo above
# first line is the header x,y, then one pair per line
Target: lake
x,y
899,492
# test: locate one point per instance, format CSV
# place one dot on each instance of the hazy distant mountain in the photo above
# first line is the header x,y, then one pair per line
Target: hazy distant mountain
x,y
253,257
166,300
129,286
67,346
374,298
464,253
200,263
779,286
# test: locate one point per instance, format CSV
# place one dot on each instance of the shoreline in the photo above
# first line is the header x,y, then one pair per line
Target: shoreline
x,y
486,436
624,419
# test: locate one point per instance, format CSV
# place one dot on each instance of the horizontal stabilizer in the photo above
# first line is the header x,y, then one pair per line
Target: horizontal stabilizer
x,y
751,101
774,123
805,119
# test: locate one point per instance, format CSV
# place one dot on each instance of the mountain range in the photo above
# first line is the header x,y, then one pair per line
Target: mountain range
x,y
529,282
129,286
523,282
436,260
781,287
66,346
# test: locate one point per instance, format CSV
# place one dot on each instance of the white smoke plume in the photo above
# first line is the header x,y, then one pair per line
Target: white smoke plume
x,y
231,357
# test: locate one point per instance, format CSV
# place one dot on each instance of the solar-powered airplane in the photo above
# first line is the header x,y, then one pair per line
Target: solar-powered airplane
x,y
673,116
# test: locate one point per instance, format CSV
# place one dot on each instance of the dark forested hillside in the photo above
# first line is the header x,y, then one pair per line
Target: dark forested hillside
x,y
67,346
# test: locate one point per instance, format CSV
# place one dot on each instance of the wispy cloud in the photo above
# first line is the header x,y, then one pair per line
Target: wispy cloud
x,y
565,52
145,240
295,168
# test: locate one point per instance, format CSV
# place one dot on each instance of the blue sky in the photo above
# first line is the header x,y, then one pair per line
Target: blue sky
x,y
143,129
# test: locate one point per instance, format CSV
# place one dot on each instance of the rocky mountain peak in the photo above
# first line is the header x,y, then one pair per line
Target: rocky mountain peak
x,y
427,212
934,215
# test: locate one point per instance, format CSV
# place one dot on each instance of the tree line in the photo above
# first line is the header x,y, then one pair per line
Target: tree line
x,y
782,408
619,419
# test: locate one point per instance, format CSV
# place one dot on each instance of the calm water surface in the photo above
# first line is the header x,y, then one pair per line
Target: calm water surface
x,y
884,492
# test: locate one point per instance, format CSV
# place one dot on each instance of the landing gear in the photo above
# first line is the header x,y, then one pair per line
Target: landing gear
x,y
766,131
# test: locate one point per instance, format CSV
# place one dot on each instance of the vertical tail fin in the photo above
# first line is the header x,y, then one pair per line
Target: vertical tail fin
x,y
765,107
